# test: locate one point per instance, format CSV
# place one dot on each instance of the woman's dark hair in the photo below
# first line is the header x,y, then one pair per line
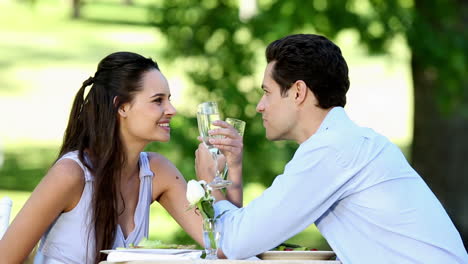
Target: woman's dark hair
x,y
93,130
313,59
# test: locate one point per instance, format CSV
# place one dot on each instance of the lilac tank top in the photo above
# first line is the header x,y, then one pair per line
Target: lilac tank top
x,y
70,238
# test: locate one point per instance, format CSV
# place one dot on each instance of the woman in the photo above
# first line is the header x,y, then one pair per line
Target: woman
x,y
98,193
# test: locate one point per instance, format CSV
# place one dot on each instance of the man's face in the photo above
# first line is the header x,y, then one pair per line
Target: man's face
x,y
278,113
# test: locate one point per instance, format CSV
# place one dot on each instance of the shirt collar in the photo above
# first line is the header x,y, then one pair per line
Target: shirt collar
x,y
334,117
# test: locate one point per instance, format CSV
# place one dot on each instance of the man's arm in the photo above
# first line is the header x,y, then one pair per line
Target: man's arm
x,y
312,182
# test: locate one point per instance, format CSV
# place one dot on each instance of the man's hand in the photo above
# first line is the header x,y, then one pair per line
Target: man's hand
x,y
230,144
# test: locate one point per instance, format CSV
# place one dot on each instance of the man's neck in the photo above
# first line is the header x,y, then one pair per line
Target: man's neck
x,y
309,122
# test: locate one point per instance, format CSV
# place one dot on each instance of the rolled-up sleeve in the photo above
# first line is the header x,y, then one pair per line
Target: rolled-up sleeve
x,y
223,206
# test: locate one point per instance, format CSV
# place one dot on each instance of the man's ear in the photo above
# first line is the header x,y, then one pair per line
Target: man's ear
x,y
300,90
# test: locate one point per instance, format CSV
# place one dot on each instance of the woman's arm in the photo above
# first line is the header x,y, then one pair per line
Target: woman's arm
x,y
59,191
169,189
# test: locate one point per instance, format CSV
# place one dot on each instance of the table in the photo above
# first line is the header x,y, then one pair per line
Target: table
x,y
226,261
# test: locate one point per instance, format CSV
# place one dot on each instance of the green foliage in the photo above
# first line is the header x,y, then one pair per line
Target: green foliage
x,y
219,52
434,30
439,40
24,168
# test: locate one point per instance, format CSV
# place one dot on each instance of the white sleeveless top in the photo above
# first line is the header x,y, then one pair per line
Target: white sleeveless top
x,y
69,236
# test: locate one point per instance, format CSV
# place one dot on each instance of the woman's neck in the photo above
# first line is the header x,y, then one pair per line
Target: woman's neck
x,y
131,166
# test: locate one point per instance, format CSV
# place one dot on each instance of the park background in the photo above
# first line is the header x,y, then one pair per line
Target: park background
x,y
408,68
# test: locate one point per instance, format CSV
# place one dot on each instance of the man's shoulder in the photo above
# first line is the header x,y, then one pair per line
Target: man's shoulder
x,y
334,139
343,145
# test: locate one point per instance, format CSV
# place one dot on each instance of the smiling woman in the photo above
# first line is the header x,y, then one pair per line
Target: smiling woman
x,y
98,193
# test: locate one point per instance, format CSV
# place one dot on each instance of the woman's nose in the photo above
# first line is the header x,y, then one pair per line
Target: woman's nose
x,y
171,110
260,106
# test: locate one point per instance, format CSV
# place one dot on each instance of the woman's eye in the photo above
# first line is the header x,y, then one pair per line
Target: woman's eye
x,y
158,100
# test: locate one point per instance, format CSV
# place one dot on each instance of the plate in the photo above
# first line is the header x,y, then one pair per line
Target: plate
x,y
150,251
300,255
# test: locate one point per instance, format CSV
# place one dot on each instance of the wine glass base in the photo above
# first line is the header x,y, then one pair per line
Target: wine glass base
x,y
219,184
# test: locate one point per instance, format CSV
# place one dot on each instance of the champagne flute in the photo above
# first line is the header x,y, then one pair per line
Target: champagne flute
x,y
206,114
239,125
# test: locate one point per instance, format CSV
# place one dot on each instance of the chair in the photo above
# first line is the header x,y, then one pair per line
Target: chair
x,y
5,209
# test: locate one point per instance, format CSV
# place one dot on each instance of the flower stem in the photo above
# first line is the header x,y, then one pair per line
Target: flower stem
x,y
212,238
210,230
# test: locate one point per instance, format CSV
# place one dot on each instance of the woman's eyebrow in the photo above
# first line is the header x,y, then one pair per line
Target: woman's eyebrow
x,y
158,94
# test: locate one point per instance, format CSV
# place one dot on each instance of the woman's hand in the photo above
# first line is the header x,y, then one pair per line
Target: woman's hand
x,y
204,163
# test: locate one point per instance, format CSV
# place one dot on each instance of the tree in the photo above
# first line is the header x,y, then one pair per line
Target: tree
x,y
219,51
439,44
76,9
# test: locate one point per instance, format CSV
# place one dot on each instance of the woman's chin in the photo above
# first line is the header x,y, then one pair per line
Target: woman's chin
x,y
165,139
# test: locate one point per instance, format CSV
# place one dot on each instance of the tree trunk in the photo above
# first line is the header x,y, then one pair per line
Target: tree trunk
x,y
440,147
76,6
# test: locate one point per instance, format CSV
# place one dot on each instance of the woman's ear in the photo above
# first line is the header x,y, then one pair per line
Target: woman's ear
x,y
122,108
122,111
300,91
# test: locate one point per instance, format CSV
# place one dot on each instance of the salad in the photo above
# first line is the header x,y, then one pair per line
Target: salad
x,y
158,244
292,247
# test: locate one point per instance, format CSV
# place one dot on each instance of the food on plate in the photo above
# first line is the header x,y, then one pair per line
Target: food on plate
x,y
147,243
158,244
292,247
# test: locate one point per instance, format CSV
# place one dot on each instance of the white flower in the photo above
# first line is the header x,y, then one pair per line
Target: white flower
x,y
202,182
195,192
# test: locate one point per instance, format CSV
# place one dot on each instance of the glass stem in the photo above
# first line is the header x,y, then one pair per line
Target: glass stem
x,y
215,157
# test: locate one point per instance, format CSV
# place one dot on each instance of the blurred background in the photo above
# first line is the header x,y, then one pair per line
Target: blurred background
x,y
408,73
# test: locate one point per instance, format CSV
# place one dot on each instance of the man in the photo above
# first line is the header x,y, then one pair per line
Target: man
x,y
353,183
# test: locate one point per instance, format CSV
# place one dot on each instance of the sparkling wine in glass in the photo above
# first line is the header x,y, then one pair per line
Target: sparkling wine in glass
x,y
239,125
208,113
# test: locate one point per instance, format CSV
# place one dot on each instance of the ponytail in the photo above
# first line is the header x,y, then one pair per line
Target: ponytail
x,y
75,128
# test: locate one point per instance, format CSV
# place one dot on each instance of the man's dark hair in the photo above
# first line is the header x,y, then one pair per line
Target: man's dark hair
x,y
313,59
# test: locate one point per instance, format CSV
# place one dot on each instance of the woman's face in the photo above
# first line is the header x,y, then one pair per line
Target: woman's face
x,y
147,118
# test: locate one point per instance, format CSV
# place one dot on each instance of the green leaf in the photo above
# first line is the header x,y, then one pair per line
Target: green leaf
x,y
208,208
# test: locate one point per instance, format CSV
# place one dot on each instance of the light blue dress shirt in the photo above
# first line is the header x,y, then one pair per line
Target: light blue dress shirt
x,y
362,194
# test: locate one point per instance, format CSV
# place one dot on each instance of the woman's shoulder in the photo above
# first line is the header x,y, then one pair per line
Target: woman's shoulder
x,y
155,158
68,171
159,163
65,179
